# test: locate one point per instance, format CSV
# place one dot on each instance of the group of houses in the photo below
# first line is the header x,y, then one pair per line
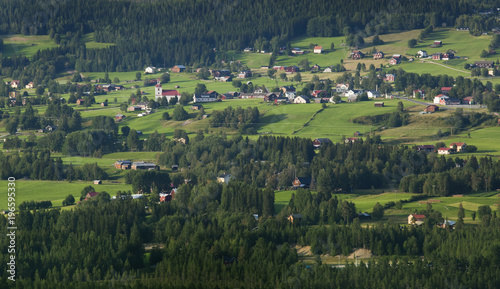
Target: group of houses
x,y
454,147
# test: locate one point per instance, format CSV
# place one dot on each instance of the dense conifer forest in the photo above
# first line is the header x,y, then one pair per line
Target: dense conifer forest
x,y
173,33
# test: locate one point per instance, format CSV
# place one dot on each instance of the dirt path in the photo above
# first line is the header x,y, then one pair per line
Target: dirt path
x,y
456,69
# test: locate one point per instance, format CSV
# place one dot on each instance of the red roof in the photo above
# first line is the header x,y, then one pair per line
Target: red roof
x,y
468,98
445,88
459,144
92,194
169,92
318,47
444,149
418,216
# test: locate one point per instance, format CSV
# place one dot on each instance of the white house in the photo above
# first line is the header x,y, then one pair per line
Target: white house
x,y
373,94
150,70
301,99
328,69
318,49
290,95
440,98
353,92
422,54
341,87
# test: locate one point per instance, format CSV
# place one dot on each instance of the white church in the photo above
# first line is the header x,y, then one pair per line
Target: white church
x,y
167,93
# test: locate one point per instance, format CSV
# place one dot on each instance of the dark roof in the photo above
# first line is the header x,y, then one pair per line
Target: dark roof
x,y
305,180
296,216
324,140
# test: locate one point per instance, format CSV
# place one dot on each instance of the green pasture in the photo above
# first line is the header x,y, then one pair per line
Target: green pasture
x,y
54,191
26,45
465,44
335,120
252,60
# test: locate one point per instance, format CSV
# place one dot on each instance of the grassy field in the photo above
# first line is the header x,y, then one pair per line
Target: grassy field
x,y
55,191
25,45
28,45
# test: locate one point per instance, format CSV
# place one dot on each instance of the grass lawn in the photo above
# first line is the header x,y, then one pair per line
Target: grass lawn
x,y
55,191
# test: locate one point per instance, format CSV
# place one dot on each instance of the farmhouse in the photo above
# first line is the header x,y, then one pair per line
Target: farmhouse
x,y
90,195
301,182
301,99
134,108
431,108
357,54
245,74
438,43
389,77
394,61
416,219
353,92
224,178
248,49
484,64
150,70
119,117
269,97
294,218
318,49
440,99
178,68
341,87
328,69
436,56
210,96
378,55
123,164
15,83
445,151
373,94
317,143
379,104
30,85
281,99
422,54
297,51
460,146
168,94
97,182
292,69
80,101
143,166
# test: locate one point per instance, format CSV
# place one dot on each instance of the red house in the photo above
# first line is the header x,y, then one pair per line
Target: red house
x,y
357,54
394,61
389,77
436,56
378,55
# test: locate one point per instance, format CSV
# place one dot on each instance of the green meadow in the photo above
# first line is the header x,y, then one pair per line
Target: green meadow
x,y
26,45
27,190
